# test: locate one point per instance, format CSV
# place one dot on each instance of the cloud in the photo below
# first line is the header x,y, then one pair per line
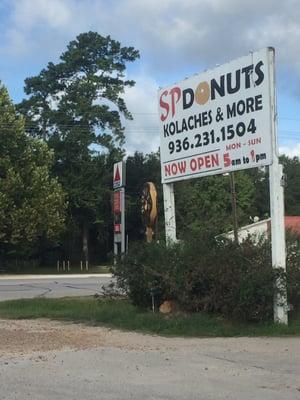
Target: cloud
x,y
176,39
291,151
39,12
193,32
197,34
172,35
28,18
142,133
42,28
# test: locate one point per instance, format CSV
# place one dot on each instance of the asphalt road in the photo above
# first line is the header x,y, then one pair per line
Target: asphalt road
x,y
52,286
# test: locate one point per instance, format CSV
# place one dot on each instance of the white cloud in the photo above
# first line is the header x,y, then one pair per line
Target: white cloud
x,y
291,151
142,134
176,39
171,34
29,13
42,28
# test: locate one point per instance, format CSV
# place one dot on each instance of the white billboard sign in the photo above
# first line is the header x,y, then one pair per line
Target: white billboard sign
x,y
217,121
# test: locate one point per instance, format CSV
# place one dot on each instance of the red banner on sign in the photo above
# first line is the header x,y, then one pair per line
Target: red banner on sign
x,y
117,202
117,228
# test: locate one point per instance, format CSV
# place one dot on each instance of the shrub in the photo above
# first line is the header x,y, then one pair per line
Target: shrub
x,y
143,270
293,269
206,273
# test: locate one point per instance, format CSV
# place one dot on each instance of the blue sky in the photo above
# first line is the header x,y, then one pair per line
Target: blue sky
x,y
175,38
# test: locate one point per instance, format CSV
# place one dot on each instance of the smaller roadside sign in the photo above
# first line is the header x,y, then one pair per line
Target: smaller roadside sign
x,y
119,175
119,217
119,206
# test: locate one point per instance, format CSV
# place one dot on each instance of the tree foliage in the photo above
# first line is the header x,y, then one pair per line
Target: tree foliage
x,y
32,203
76,105
81,96
292,189
205,202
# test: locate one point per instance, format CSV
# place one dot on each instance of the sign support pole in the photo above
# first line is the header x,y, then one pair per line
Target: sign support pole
x,y
119,207
115,250
233,202
169,208
277,211
278,240
123,222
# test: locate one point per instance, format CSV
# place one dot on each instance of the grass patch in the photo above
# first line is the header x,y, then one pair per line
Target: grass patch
x,y
122,315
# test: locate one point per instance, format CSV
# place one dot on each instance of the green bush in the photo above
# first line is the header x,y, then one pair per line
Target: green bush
x,y
293,270
206,273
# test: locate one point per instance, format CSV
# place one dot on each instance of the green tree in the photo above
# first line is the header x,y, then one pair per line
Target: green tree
x,y
260,178
206,202
200,203
261,203
32,203
76,105
292,189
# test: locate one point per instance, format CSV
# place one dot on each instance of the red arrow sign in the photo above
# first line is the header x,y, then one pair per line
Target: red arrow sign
x,y
117,175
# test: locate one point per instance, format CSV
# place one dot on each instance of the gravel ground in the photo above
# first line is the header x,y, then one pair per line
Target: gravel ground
x,y
42,359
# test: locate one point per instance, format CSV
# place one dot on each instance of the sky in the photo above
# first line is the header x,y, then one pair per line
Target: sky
x,y
176,39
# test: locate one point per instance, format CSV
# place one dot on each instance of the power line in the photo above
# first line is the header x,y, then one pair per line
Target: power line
x,y
121,114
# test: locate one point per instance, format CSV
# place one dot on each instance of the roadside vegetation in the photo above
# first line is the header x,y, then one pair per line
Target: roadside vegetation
x,y
228,291
121,314
207,273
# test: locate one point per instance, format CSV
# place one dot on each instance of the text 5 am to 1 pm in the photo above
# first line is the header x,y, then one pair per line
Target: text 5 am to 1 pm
x,y
217,121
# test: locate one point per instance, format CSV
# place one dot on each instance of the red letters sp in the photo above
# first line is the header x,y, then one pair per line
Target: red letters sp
x,y
164,105
175,94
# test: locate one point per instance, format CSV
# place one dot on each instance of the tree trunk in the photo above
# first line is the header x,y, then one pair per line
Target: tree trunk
x,y
85,241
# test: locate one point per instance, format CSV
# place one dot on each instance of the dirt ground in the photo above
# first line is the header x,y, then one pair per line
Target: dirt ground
x,y
42,335
84,361
21,337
